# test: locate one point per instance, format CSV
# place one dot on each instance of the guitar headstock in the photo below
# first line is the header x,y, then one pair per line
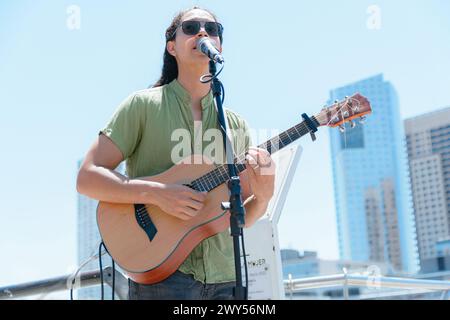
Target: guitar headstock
x,y
346,110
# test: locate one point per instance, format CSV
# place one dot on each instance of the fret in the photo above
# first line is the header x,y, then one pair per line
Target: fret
x,y
223,174
285,139
194,186
208,181
219,174
204,187
286,135
275,144
215,178
241,167
295,132
291,135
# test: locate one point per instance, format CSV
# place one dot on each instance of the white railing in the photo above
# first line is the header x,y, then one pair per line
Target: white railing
x,y
355,280
292,286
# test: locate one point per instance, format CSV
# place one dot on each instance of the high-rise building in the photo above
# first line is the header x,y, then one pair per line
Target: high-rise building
x,y
88,241
375,220
428,145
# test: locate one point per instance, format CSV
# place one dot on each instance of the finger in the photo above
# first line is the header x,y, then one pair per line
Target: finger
x,y
253,152
261,156
194,194
260,151
190,212
268,168
264,158
265,162
250,171
196,205
251,159
182,216
264,152
198,196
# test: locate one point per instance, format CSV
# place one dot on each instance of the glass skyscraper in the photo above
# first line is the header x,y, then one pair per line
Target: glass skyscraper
x,y
375,218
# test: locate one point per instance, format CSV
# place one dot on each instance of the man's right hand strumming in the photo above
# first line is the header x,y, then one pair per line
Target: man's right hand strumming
x,y
180,201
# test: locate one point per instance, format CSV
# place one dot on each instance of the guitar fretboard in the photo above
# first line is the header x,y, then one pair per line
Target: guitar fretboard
x,y
220,175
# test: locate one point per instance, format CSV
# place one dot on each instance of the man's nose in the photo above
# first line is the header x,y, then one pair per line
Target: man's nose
x,y
202,32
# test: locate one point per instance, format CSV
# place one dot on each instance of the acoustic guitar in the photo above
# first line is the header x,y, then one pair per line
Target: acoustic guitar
x,y
150,244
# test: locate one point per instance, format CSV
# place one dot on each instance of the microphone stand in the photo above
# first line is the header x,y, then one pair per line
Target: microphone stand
x,y
235,205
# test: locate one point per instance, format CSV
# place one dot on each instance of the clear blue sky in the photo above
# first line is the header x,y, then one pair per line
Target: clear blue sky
x,y
59,87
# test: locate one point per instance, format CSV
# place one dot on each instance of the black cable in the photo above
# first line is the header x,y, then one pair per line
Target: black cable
x,y
101,270
223,91
113,278
245,264
71,291
208,77
101,273
73,281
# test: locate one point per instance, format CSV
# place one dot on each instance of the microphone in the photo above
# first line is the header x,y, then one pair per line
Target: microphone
x,y
206,46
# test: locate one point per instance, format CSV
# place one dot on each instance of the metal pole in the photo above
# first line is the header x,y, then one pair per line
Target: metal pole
x,y
345,284
291,286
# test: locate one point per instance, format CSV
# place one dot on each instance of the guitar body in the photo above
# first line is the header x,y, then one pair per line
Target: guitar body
x,y
149,261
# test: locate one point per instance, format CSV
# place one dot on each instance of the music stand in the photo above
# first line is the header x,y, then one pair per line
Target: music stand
x,y
261,240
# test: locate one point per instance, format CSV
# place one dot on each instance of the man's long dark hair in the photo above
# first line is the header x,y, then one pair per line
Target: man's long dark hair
x,y
170,67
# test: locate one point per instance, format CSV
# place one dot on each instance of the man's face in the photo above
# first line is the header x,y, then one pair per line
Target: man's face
x,y
184,46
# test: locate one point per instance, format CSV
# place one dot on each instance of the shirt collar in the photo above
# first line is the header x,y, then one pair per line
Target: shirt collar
x,y
182,93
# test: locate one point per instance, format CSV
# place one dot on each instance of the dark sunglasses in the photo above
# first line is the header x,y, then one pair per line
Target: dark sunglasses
x,y
192,27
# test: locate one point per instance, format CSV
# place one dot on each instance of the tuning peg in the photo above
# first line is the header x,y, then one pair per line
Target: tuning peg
x,y
336,101
352,124
335,119
324,107
362,120
341,128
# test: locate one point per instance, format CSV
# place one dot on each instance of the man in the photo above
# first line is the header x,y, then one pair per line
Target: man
x,y
140,132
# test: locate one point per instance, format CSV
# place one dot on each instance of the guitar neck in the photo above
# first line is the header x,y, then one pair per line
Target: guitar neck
x,y
220,174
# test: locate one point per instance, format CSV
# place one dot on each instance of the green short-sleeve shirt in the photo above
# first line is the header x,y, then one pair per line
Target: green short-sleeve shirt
x,y
147,127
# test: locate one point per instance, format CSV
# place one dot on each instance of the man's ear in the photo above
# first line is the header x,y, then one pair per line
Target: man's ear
x,y
170,46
